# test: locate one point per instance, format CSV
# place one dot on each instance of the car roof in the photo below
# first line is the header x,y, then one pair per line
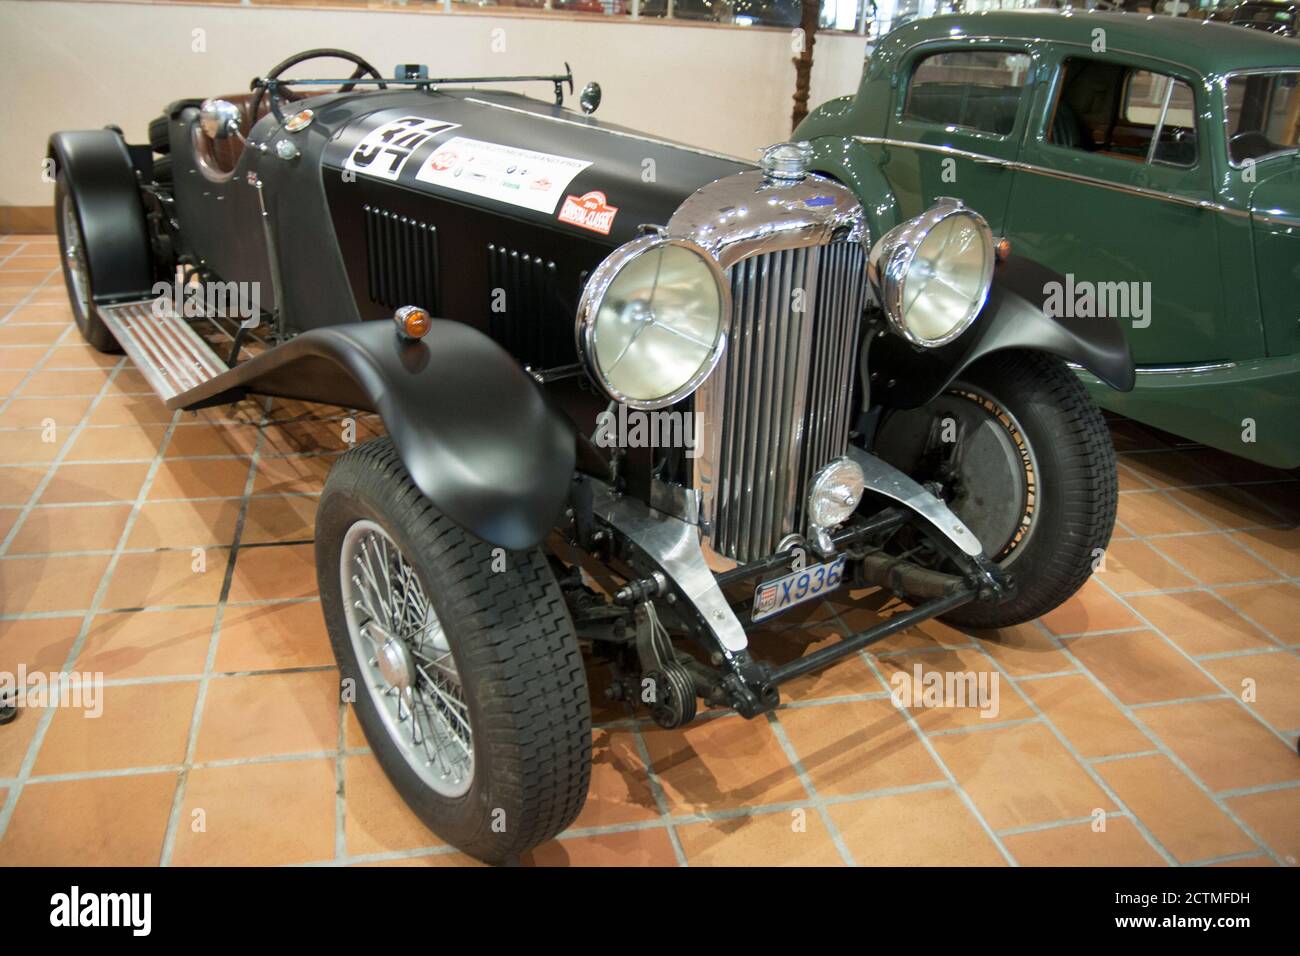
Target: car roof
x,y
1205,46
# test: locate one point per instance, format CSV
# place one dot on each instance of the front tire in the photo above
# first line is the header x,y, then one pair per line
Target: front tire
x,y
1036,481
493,667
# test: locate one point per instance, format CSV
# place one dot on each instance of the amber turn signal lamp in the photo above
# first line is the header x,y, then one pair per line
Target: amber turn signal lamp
x,y
1002,249
412,322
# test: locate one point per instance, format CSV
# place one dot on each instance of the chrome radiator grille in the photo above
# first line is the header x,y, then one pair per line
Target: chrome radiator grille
x,y
778,406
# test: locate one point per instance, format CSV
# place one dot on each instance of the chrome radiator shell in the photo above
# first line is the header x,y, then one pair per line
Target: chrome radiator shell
x,y
778,407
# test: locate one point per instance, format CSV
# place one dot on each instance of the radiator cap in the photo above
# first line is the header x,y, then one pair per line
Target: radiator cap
x,y
786,161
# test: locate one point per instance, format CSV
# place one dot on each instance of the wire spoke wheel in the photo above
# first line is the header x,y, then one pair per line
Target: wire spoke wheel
x,y
467,676
408,666
74,254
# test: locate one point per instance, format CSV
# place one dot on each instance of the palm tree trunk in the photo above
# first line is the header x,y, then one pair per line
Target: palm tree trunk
x,y
803,63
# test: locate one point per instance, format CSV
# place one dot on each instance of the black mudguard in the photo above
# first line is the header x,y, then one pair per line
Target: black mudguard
x,y
1012,318
477,435
101,177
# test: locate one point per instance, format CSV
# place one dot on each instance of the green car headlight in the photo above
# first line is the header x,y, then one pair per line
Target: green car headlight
x,y
652,321
932,274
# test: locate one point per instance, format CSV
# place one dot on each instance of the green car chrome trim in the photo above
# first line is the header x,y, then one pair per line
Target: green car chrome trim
x,y
1058,174
1216,403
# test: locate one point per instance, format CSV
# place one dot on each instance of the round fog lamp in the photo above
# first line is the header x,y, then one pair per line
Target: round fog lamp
x,y
835,493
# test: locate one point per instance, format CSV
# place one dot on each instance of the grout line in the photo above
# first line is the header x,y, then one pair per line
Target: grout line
x,y
154,608
173,821
1058,824
1260,788
25,300
1134,755
911,721
52,464
1163,748
1197,664
77,775
101,589
340,797
1083,762
774,722
660,798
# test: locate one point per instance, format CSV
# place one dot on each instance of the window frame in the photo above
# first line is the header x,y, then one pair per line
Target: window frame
x,y
1225,79
1130,65
905,77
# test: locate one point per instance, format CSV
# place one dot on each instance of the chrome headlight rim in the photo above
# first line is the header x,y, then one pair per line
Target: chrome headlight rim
x,y
593,295
893,254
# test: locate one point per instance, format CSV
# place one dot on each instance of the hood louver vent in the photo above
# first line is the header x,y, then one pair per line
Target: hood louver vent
x,y
402,257
525,313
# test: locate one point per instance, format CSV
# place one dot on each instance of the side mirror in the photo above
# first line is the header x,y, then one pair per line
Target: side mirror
x,y
219,119
589,98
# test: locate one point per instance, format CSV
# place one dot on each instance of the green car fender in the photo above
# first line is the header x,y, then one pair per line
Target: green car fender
x,y
848,161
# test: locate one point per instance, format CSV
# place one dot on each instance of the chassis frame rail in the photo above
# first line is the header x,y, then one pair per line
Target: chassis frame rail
x,y
842,648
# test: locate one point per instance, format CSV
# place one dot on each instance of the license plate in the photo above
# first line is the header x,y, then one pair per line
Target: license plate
x,y
783,593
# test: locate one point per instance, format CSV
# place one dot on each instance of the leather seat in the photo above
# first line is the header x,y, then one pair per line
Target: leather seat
x,y
217,158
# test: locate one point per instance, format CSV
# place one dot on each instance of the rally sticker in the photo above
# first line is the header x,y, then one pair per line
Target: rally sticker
x,y
384,150
590,211
520,177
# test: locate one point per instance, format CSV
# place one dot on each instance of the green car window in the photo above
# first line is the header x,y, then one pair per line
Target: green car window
x,y
975,89
1263,112
1124,112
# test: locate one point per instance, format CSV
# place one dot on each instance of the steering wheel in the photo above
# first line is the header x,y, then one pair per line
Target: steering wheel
x,y
363,69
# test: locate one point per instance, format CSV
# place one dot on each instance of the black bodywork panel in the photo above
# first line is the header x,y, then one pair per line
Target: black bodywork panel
x,y
324,218
348,248
1012,318
478,437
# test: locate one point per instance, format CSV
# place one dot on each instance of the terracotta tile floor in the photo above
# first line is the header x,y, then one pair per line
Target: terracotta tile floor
x,y
1152,720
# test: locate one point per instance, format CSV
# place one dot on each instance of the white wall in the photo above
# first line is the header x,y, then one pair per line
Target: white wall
x,y
80,65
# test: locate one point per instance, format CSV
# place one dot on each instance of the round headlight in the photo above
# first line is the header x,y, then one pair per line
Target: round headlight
x,y
932,273
652,321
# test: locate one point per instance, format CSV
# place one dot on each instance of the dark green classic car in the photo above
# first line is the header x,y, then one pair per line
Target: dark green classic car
x,y
1152,160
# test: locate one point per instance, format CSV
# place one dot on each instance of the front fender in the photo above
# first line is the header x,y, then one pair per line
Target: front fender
x,y
98,171
474,431
848,161
1012,318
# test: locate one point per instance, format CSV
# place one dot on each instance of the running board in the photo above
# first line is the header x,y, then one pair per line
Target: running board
x,y
167,351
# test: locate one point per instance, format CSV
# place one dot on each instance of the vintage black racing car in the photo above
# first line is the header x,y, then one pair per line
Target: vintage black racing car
x,y
631,395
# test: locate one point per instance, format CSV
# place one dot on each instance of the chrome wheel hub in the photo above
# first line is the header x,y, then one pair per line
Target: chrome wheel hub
x,y
406,659
394,659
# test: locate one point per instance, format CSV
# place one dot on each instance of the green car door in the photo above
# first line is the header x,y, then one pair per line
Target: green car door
x,y
957,119
1115,189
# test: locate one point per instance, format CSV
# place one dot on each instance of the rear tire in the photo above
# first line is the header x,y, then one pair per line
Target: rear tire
x,y
160,135
76,272
518,667
1039,406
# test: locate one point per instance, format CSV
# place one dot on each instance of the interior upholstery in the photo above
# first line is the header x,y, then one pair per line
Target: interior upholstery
x,y
217,158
